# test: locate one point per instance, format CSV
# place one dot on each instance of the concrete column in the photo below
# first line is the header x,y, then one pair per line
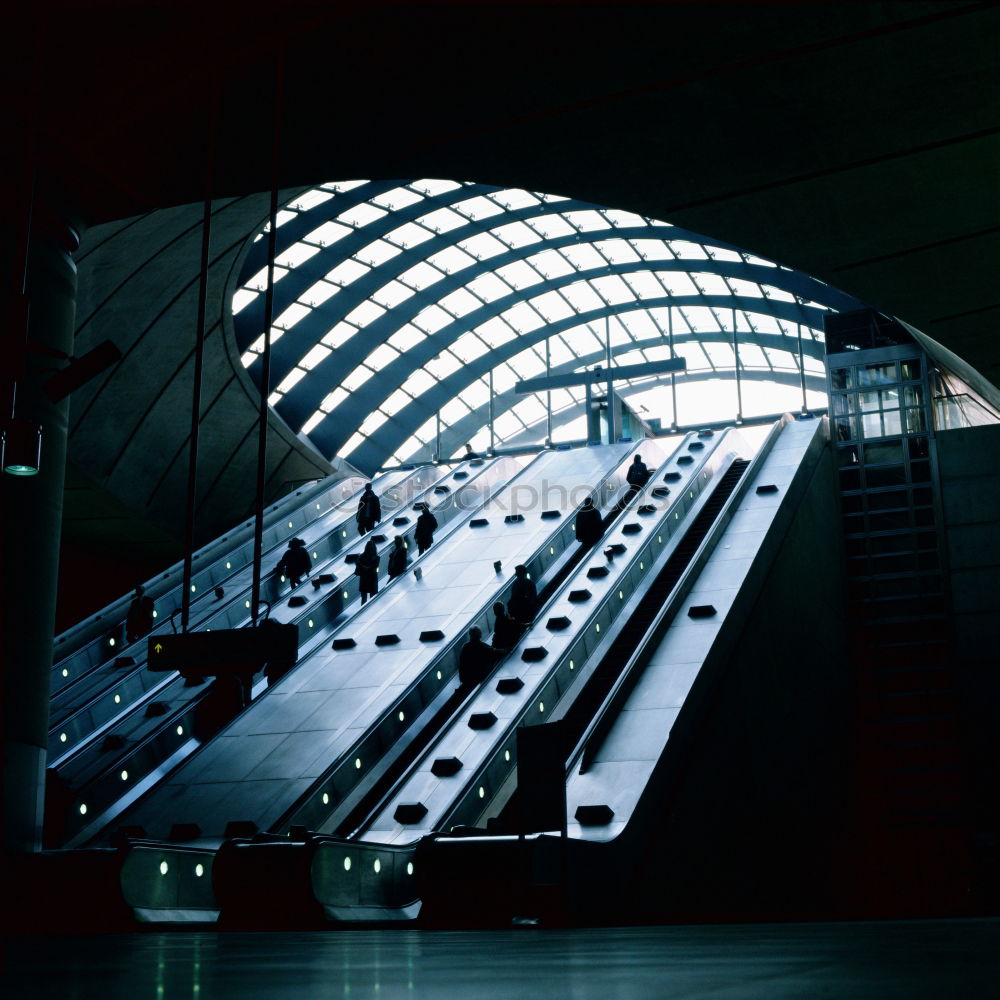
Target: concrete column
x,y
31,525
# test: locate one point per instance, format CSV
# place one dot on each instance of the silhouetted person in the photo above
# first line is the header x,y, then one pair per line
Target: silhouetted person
x,y
139,620
638,474
366,569
476,659
506,631
523,601
469,453
398,558
423,534
295,562
369,510
589,523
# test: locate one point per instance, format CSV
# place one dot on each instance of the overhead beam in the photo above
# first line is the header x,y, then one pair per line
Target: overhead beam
x,y
542,382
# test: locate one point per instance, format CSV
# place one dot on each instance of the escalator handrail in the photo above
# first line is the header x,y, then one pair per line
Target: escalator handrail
x,y
593,736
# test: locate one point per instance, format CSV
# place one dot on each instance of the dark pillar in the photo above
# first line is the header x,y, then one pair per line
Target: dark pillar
x,y
31,520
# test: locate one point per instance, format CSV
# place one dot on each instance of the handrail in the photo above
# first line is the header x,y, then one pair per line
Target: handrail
x,y
602,720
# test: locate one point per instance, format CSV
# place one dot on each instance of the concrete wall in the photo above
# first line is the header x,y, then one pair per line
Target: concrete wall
x,y
969,470
753,828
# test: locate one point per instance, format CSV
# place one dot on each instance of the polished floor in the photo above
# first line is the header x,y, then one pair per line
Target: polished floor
x,y
945,960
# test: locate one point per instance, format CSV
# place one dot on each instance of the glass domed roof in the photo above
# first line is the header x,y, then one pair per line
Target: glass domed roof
x,y
406,311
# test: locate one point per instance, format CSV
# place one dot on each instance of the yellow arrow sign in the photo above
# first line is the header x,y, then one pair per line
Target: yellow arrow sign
x,y
158,648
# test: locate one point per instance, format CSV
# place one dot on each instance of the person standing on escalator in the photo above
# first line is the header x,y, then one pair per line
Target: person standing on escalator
x,y
366,569
369,510
589,524
523,601
423,533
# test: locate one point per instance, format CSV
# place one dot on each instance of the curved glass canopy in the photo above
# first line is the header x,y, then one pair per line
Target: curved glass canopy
x,y
406,311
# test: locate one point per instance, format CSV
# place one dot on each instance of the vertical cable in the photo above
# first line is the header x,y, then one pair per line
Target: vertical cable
x,y
548,394
611,403
802,369
673,377
265,374
736,358
493,440
199,359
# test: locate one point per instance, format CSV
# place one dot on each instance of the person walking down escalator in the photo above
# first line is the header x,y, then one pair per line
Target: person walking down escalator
x,y
423,533
369,510
506,631
589,524
476,660
398,558
523,602
366,569
295,562
637,476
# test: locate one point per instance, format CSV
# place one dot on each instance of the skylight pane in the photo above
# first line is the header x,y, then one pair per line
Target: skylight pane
x,y
328,233
489,287
354,441
677,283
397,198
443,365
469,347
409,235
523,318
315,356
292,315
451,259
313,422
746,288
346,272
435,186
552,306
443,220
483,246
624,219
405,337
290,380
687,250
582,296
357,378
365,313
551,226
710,284
584,257
377,253
519,275
421,276
551,264
613,289
381,356
242,297
477,394
339,335
477,208
586,221
296,254
495,332
395,402
516,235
418,383
432,319
460,302
391,294
644,285
361,215
310,200
343,186
333,399
652,249
617,251
317,294
372,423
